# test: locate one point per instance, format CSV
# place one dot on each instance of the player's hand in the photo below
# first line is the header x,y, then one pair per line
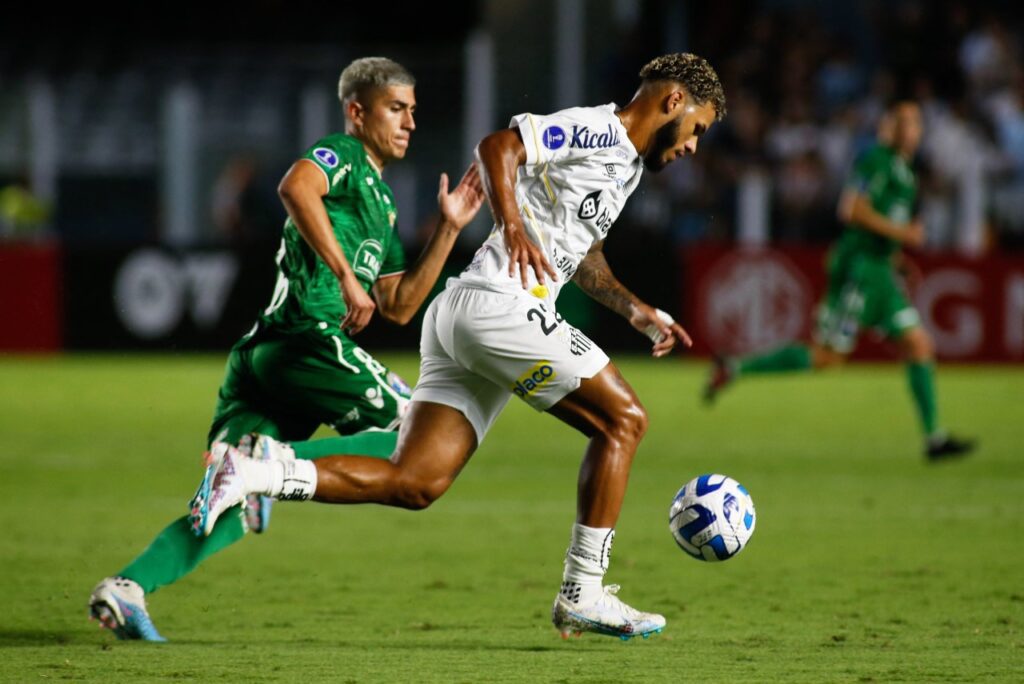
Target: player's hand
x,y
914,234
524,255
359,305
660,328
459,206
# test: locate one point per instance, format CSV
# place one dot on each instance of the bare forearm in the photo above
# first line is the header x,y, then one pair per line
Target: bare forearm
x,y
595,277
417,281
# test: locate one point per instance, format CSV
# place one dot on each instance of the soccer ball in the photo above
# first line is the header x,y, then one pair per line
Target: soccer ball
x,y
712,517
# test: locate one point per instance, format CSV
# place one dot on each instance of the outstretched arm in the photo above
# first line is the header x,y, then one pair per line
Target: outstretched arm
x,y
302,190
594,276
401,295
501,154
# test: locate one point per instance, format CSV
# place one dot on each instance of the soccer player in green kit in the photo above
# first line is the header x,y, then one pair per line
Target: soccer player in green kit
x,y
863,286
298,368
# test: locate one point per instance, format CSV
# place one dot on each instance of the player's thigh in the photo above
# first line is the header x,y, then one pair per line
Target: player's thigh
x,y
602,404
328,378
444,381
896,317
240,408
841,314
434,443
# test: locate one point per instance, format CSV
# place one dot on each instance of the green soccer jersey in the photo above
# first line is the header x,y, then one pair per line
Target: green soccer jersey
x,y
362,211
887,180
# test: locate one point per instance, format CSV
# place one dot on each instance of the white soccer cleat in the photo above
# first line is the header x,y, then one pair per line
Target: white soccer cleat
x,y
223,486
606,615
119,604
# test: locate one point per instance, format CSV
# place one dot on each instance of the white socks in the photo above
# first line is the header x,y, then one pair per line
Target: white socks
x,y
586,561
293,480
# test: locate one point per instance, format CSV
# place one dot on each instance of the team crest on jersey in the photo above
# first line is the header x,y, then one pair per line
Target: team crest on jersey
x,y
368,259
553,137
590,205
326,157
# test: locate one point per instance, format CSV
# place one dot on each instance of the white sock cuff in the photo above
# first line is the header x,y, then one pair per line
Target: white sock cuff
x,y
592,544
298,480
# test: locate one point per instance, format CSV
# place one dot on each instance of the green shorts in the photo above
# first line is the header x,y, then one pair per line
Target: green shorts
x,y
862,292
287,384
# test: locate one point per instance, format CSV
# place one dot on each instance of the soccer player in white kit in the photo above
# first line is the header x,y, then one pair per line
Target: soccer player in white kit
x,y
555,184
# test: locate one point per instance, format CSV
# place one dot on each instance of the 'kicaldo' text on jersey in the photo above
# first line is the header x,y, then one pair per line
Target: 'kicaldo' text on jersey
x,y
580,169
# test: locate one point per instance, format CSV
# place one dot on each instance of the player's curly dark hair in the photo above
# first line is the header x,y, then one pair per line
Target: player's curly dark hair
x,y
694,73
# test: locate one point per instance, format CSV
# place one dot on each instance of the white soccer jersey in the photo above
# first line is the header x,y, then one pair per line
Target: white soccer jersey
x,y
580,169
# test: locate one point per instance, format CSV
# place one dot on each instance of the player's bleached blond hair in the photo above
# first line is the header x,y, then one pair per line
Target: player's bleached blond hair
x,y
371,72
694,73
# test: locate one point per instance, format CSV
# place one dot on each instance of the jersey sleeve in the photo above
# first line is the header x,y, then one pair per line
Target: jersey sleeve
x,y
868,175
334,160
394,259
559,137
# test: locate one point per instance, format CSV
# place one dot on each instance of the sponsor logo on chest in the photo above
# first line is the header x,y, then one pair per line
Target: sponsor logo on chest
x,y
591,209
584,138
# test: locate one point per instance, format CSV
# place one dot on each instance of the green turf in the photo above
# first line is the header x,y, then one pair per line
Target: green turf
x,y
868,565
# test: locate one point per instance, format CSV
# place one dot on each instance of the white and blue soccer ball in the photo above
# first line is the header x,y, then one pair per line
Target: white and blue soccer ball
x,y
712,517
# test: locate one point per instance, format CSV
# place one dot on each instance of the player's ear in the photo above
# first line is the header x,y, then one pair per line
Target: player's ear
x,y
674,100
355,112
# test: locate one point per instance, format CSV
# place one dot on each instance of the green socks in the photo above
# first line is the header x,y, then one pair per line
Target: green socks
x,y
176,551
922,386
368,443
792,358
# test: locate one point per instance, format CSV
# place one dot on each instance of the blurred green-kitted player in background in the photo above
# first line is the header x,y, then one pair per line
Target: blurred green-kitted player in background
x,y
864,289
297,368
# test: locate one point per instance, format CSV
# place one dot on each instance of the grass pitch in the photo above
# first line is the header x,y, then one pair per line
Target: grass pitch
x,y
868,565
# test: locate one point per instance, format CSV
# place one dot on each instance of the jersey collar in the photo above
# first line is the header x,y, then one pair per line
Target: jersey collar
x,y
373,165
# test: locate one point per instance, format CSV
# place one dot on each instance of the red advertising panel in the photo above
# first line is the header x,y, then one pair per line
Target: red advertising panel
x,y
744,300
30,297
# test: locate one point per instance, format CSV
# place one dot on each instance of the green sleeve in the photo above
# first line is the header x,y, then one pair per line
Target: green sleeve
x,y
394,260
335,159
869,173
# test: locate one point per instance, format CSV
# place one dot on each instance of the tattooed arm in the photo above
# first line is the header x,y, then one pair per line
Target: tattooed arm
x,y
594,276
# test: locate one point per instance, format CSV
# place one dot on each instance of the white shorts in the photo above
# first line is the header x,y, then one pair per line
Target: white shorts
x,y
479,347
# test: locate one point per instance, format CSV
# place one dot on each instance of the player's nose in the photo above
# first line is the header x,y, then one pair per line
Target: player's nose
x,y
691,145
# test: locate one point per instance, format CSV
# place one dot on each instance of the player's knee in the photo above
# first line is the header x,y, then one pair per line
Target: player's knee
x,y
630,423
417,494
922,348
